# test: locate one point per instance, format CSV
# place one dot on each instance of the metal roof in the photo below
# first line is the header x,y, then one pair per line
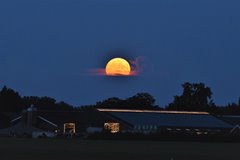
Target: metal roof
x,y
231,119
149,111
170,119
19,128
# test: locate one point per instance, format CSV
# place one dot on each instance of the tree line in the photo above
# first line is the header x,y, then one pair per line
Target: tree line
x,y
194,97
11,101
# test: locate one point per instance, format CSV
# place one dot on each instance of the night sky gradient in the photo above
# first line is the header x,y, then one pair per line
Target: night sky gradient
x,y
47,47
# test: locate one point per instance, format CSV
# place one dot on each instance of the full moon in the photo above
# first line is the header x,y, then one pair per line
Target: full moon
x,y
118,67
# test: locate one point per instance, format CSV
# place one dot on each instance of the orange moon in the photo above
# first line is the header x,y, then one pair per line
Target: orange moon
x,y
118,67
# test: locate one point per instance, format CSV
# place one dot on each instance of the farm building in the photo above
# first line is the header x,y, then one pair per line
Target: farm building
x,y
148,121
34,122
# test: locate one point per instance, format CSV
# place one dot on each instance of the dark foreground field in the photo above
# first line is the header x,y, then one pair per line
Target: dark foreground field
x,y
67,149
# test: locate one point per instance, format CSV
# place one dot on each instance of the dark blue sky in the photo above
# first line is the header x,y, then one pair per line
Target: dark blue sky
x,y
47,47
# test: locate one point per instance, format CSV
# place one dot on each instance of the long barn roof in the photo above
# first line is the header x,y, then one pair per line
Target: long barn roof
x,y
169,118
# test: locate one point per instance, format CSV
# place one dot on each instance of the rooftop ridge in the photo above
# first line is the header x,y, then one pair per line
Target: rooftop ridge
x,y
150,111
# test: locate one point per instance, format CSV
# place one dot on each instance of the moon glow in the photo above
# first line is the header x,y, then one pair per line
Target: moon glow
x,y
118,67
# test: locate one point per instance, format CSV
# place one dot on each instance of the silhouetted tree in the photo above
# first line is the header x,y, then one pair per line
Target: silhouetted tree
x,y
138,101
47,103
232,108
141,101
10,100
63,106
195,97
113,102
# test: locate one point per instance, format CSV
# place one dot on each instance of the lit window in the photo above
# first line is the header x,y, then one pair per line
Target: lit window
x,y
69,128
112,127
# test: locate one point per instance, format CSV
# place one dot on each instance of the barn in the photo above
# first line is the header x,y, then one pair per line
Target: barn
x,y
34,122
149,121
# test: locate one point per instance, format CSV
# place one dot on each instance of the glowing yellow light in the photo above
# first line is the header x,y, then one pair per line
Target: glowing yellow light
x,y
112,127
118,67
149,111
69,128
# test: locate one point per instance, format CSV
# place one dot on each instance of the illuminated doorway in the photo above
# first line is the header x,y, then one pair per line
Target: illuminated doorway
x,y
112,127
69,128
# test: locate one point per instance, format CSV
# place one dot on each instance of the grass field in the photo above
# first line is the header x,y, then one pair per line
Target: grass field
x,y
71,149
